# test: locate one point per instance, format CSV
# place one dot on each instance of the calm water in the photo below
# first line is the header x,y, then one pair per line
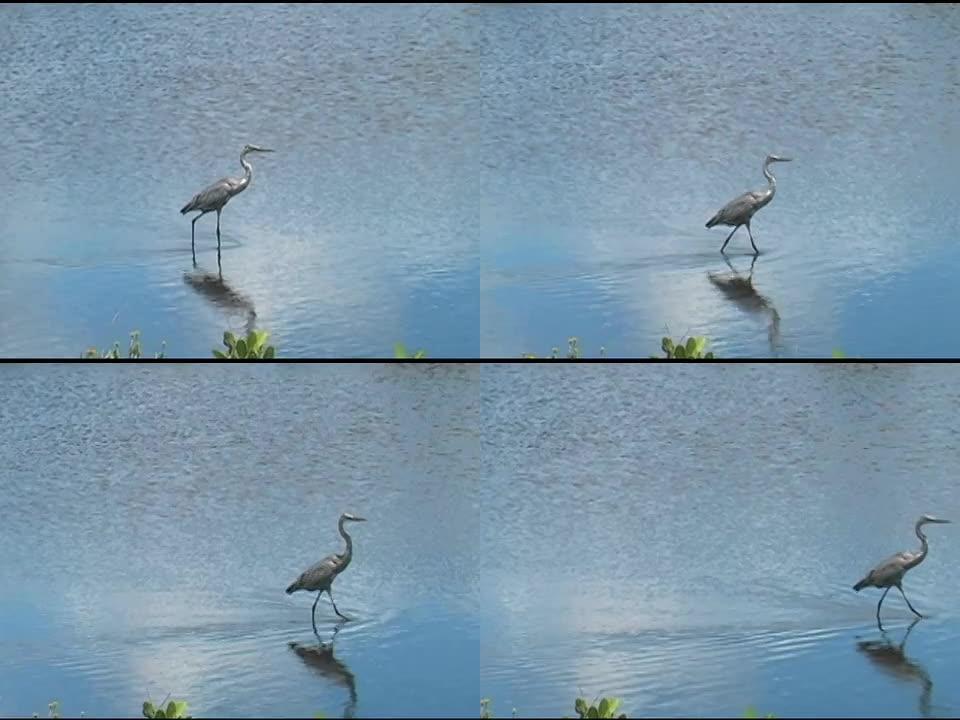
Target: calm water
x,y
358,232
151,521
611,133
686,538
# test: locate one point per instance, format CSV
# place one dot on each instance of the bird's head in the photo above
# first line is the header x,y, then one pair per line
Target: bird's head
x,y
930,519
352,518
777,158
254,148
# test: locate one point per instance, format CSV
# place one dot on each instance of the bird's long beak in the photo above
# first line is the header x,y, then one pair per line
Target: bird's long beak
x,y
782,159
359,519
264,150
938,520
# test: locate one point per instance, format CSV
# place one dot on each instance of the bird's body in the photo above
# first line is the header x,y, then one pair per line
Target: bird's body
x,y
890,572
319,577
214,197
740,210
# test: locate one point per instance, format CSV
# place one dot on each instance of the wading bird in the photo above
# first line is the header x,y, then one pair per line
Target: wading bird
x,y
741,210
319,577
217,195
890,572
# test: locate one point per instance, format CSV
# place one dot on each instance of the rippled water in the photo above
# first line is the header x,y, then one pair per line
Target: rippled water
x,y
358,232
152,519
686,538
612,133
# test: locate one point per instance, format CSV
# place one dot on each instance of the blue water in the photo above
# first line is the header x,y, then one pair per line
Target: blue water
x,y
686,538
354,235
615,131
152,520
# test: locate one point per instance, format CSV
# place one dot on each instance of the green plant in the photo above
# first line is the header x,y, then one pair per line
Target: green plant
x,y
751,714
693,349
400,353
573,351
174,709
606,709
253,347
134,352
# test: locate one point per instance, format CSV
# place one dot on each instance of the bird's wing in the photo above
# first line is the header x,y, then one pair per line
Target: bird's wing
x,y
890,567
319,572
212,196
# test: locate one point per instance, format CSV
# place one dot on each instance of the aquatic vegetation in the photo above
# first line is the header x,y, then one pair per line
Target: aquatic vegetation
x,y
253,347
174,709
751,714
134,352
607,708
693,349
573,351
400,352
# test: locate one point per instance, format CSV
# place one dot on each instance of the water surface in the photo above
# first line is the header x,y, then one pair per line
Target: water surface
x,y
686,538
355,234
152,519
612,133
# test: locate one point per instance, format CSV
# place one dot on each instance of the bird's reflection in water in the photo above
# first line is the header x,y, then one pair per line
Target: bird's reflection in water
x,y
741,292
321,658
892,660
214,288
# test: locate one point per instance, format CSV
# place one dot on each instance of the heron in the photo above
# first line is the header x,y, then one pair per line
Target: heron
x,y
214,197
319,577
890,572
741,210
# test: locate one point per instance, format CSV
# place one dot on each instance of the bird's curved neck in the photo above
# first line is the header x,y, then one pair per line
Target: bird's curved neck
x,y
348,553
247,176
923,544
771,180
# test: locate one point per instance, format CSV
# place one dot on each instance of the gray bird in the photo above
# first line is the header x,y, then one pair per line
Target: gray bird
x,y
890,572
217,195
319,577
741,210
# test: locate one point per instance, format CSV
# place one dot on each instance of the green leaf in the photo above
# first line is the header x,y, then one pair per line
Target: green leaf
x,y
179,708
696,346
241,348
667,345
268,353
750,714
592,713
581,707
604,708
219,354
420,355
839,354
229,339
399,351
148,709
680,352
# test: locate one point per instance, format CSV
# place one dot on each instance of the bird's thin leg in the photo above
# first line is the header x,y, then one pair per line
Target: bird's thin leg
x,y
755,251
728,238
193,237
908,602
218,232
313,614
878,607
335,606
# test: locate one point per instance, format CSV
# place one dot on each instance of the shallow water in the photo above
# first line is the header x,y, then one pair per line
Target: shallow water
x,y
686,538
614,132
354,235
152,520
